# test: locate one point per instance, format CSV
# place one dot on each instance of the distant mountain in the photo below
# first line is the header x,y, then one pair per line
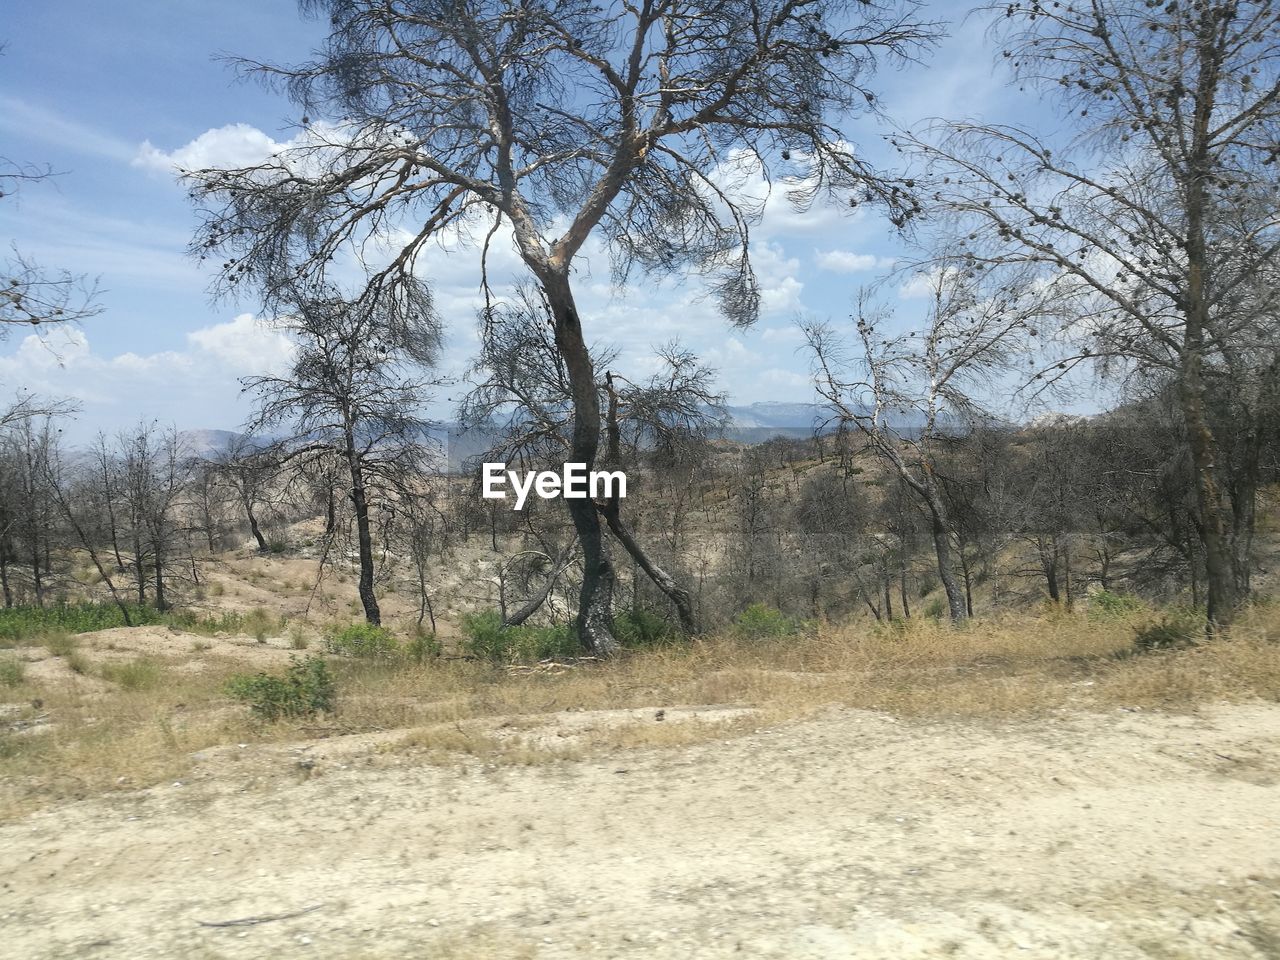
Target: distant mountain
x,y
454,446
206,443
758,422
777,414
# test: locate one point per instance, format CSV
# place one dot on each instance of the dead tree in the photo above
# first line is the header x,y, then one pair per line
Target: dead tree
x,y
1156,211
628,124
907,393
353,395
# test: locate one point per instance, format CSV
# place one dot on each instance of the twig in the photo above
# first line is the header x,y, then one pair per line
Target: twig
x,y
250,921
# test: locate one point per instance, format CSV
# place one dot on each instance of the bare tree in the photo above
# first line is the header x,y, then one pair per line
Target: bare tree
x,y
248,469
1159,216
352,395
523,388
626,122
909,392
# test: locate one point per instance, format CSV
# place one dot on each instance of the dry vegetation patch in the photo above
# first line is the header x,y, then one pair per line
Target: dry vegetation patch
x,y
128,707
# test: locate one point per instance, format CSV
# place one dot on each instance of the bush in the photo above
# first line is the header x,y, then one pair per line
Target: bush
x,y
1105,605
1171,632
362,640
640,628
763,622
424,646
11,671
21,623
140,674
487,639
259,623
305,690
936,609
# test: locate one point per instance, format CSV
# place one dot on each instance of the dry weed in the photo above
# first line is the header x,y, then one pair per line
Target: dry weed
x,y
100,736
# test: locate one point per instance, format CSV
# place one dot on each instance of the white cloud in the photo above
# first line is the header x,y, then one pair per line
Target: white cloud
x,y
235,145
846,261
245,345
194,387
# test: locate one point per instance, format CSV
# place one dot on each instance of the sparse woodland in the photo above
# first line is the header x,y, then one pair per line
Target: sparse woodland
x,y
981,659
1137,256
1141,252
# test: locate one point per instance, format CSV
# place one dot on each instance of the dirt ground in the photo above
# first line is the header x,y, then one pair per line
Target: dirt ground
x,y
1115,835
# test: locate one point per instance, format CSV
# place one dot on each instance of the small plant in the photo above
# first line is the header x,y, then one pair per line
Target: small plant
x,y
425,645
12,671
77,662
60,643
936,608
140,674
488,639
1105,605
305,690
763,622
640,628
1171,632
297,638
362,640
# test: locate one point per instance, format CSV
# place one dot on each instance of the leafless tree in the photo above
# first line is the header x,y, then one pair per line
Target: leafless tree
x,y
1159,216
523,389
627,122
247,468
352,395
908,392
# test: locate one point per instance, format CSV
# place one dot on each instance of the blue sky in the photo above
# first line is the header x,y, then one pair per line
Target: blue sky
x,y
111,95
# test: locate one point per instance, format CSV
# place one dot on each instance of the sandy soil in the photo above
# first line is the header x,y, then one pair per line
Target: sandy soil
x,y
1112,836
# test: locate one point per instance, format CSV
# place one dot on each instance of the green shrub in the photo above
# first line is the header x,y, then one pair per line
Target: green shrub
x,y
259,622
763,622
487,639
140,674
362,640
1173,631
425,645
640,628
305,690
1105,605
11,671
22,623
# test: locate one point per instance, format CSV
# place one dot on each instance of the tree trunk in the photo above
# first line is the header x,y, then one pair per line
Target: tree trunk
x,y
4,577
535,603
1049,564
253,525
946,566
678,595
595,614
158,567
968,582
1220,580
364,539
902,590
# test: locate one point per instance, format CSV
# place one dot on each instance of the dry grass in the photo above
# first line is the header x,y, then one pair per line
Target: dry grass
x,y
120,725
